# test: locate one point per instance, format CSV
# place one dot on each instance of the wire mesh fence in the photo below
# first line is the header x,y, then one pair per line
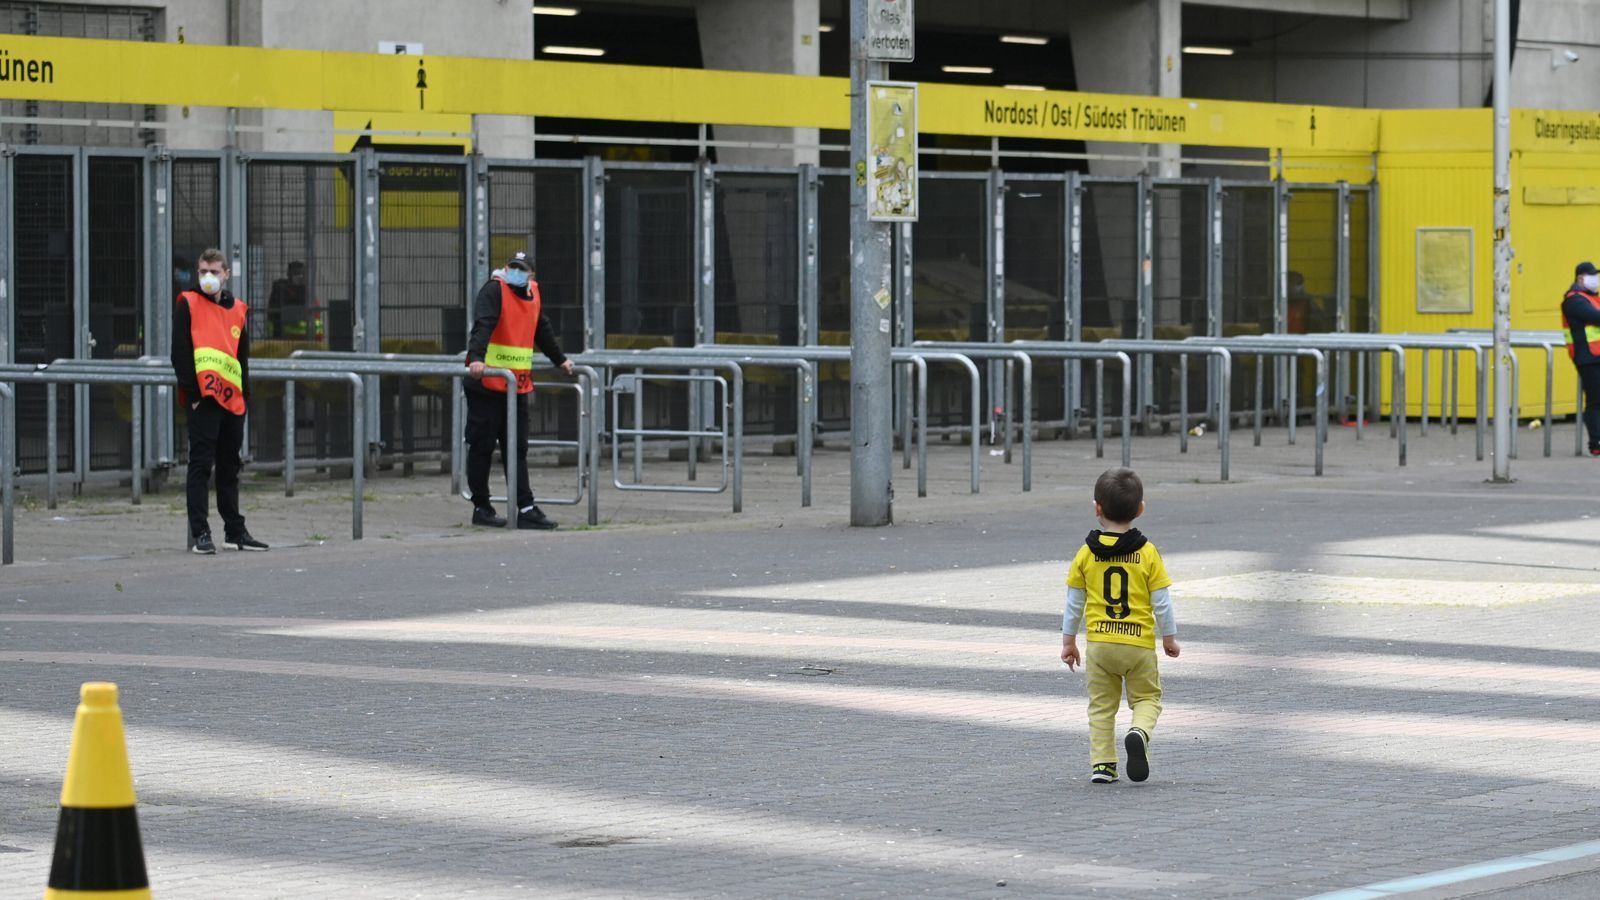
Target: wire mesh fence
x,y
757,283
116,267
301,287
949,281
1109,279
84,225
1248,252
540,212
1178,287
1036,282
45,267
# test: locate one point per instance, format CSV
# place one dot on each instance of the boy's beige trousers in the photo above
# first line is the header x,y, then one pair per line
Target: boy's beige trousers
x,y
1111,667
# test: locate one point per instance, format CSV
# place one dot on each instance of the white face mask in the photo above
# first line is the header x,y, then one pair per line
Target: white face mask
x,y
1590,283
210,282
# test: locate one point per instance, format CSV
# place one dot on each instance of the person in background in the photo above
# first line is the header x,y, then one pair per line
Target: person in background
x,y
291,313
182,275
1580,320
211,357
508,321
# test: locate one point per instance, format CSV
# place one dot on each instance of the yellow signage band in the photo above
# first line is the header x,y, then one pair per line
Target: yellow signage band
x,y
104,71
500,356
209,360
363,84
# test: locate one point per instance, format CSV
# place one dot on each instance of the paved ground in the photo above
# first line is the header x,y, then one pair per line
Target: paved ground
x,y
1386,672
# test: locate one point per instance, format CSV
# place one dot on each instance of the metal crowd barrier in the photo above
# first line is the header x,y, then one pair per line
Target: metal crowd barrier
x,y
1127,350
136,375
1547,341
633,384
8,470
1325,343
1320,420
916,358
452,366
1397,345
805,376
804,361
1062,351
1450,346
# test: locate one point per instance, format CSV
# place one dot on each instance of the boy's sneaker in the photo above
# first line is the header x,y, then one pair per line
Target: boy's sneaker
x,y
1138,760
1104,773
533,518
1594,449
487,517
243,541
203,545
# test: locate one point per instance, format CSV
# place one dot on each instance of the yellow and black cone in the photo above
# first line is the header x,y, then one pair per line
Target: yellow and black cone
x,y
98,853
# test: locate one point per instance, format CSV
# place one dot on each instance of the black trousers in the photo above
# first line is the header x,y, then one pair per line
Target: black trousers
x,y
215,438
1590,376
486,427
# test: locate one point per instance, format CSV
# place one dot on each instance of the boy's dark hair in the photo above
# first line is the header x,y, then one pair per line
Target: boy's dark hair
x,y
1119,493
213,255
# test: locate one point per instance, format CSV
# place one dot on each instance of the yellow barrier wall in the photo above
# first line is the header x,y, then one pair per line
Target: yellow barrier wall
x,y
1433,166
1436,169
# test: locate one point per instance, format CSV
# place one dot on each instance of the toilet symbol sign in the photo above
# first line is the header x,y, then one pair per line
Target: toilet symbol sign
x,y
410,48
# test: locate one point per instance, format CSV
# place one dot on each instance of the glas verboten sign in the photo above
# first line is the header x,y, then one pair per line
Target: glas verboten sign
x,y
891,36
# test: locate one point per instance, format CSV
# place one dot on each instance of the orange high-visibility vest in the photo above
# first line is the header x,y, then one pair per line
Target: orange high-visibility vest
x,y
1591,333
216,332
511,344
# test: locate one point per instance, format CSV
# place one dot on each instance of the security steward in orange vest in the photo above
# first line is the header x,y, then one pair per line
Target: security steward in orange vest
x,y
211,356
507,323
1580,319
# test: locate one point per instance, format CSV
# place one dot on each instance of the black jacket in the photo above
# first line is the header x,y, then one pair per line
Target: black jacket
x,y
183,349
486,315
1580,312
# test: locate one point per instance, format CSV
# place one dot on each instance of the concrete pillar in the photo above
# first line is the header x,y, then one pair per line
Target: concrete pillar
x,y
1128,47
761,36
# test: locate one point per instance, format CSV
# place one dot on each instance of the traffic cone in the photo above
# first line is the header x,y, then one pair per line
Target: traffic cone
x,y
98,853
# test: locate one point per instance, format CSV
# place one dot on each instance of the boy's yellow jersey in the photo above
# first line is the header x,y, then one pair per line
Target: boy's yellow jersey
x,y
1118,588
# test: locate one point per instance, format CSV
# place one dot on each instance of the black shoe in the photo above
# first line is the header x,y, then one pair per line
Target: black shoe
x,y
534,519
486,516
243,541
1594,449
1104,773
1138,760
203,545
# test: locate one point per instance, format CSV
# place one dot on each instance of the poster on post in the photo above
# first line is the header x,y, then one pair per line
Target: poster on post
x,y
891,151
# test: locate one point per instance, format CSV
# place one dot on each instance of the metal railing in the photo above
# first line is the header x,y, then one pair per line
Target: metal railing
x,y
1062,350
1325,343
916,358
805,374
120,373
8,470
1130,349
632,384
453,367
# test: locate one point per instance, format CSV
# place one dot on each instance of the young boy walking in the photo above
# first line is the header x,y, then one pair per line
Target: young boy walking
x,y
1117,588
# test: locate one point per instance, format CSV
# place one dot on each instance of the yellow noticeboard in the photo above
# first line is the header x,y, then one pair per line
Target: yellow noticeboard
x,y
891,151
1444,270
